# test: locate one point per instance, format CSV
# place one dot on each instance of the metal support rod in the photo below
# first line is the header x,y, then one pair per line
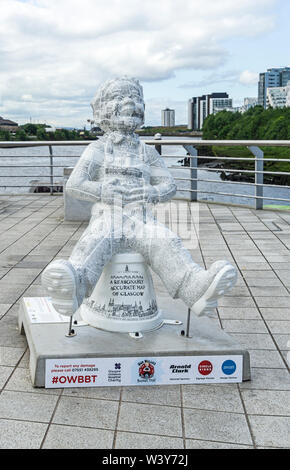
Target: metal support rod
x,y
71,332
51,169
188,323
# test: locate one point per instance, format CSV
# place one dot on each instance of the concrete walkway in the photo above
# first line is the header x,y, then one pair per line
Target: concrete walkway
x,y
254,414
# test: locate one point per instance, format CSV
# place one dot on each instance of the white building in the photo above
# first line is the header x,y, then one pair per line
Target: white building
x,y
168,117
277,96
50,129
249,103
220,104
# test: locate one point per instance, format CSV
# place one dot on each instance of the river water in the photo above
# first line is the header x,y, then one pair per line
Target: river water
x,y
67,156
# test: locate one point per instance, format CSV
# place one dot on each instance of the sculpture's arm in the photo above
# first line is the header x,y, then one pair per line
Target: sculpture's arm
x,y
161,178
81,184
162,186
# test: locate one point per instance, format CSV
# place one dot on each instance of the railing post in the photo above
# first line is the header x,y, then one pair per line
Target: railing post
x,y
259,177
51,169
158,147
193,170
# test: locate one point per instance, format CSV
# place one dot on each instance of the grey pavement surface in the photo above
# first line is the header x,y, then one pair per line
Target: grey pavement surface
x,y
253,414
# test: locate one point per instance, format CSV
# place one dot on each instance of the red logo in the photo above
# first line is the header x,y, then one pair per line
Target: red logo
x,y
146,369
205,367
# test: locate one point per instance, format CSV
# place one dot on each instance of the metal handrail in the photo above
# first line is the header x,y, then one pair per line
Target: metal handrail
x,y
191,145
196,143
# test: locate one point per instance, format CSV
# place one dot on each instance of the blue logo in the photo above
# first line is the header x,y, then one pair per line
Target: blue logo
x,y
229,367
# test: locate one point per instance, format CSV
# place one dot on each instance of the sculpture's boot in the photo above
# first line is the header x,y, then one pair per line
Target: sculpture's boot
x,y
223,279
205,287
60,280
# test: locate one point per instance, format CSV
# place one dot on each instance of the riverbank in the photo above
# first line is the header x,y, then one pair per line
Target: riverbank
x,y
242,152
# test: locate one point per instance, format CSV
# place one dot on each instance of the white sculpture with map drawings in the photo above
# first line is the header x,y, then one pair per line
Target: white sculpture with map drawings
x,y
107,274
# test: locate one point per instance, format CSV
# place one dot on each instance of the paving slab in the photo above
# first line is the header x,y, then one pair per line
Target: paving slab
x,y
150,419
218,426
267,402
27,406
158,395
199,444
74,437
130,440
268,379
21,434
214,397
270,431
76,411
10,356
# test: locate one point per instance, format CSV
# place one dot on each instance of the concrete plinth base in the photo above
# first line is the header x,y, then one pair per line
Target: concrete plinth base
x,y
48,341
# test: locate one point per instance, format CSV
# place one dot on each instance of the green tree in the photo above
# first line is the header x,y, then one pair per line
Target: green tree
x,y
4,135
279,128
20,134
30,129
257,123
41,134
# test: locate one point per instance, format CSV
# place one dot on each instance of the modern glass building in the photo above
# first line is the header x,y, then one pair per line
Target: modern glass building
x,y
273,78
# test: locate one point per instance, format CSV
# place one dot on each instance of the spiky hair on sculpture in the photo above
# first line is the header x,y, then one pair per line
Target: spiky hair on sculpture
x,y
105,102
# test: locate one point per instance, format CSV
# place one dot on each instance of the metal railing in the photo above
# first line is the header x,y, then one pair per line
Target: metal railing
x,y
192,149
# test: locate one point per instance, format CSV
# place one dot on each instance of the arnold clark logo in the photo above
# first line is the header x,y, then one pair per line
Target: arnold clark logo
x,y
180,369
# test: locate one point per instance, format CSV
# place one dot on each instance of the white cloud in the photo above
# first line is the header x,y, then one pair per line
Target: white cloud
x,y
58,51
248,78
227,77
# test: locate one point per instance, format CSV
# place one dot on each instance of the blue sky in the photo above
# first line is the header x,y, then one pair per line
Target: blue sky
x,y
54,53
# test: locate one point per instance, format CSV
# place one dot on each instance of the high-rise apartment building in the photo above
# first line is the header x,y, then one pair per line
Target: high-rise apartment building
x,y
200,107
168,117
273,78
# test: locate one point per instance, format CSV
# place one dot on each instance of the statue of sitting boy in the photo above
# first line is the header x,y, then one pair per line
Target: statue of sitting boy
x,y
123,177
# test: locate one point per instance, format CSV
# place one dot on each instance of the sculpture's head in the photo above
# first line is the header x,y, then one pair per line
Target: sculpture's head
x,y
119,105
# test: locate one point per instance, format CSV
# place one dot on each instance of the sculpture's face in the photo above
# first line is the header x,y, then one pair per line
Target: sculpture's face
x,y
119,106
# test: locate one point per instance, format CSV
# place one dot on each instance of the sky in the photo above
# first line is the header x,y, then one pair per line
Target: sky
x,y
55,53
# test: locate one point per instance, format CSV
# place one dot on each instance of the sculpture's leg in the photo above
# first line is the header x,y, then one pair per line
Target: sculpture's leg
x,y
69,281
59,279
183,278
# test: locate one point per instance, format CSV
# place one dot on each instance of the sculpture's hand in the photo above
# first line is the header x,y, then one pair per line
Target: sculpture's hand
x,y
112,193
146,193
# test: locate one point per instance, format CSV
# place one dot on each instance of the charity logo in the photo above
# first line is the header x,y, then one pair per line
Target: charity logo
x,y
146,369
229,367
205,367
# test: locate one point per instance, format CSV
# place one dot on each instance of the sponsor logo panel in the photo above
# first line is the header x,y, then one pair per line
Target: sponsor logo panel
x,y
93,372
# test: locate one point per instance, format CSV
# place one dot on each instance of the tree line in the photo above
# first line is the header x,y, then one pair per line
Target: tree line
x,y
31,131
256,124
